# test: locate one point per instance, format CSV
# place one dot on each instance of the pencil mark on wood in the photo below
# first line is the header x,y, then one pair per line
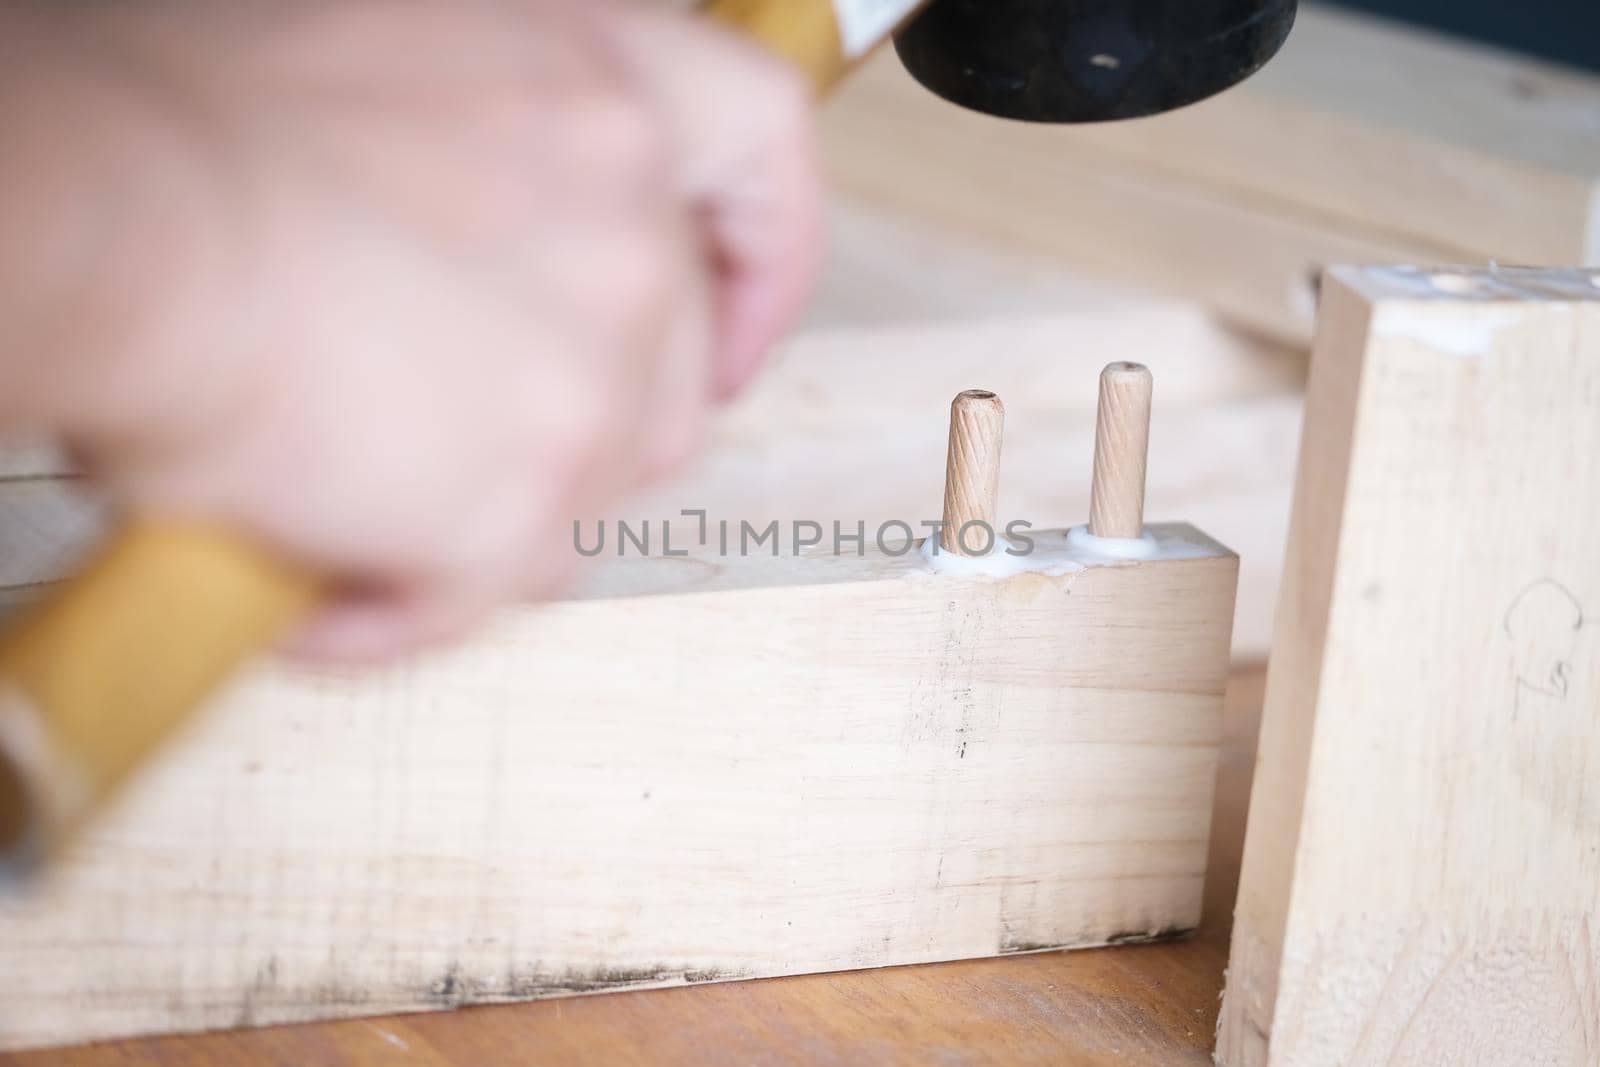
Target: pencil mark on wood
x,y
1543,622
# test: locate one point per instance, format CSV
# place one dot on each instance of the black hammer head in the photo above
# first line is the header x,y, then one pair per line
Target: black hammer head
x,y
1089,60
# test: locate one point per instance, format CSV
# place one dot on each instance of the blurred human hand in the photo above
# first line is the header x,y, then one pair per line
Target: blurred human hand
x,y
399,288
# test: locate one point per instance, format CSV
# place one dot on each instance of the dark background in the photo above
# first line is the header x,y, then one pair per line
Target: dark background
x,y
1567,31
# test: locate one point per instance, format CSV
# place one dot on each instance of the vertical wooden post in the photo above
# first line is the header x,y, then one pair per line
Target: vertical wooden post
x,y
1421,878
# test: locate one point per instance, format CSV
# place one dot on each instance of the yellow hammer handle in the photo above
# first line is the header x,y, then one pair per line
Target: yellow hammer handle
x,y
810,34
98,674
805,32
96,677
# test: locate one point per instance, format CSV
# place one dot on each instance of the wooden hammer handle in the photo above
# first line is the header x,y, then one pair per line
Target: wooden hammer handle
x,y
94,677
805,32
823,38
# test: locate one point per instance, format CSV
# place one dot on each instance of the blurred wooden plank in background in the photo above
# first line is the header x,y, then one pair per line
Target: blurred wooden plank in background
x,y
1362,142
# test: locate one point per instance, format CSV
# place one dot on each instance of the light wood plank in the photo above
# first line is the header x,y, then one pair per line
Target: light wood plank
x,y
1420,874
1361,142
1384,127
1122,1006
779,766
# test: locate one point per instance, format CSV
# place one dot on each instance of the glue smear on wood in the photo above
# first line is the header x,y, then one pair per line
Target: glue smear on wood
x,y
1460,312
1054,554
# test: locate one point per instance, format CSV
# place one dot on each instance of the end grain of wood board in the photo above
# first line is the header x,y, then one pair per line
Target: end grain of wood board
x,y
1362,142
1421,878
747,767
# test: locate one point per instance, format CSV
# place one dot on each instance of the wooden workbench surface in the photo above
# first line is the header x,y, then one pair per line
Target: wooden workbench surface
x,y
1146,1004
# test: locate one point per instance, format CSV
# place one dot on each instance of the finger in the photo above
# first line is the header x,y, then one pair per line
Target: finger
x,y
681,379
766,227
371,626
747,167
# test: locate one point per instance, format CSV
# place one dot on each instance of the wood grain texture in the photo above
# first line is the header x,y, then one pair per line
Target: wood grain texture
x,y
1420,876
1388,128
742,768
1121,450
972,473
1362,142
1145,1005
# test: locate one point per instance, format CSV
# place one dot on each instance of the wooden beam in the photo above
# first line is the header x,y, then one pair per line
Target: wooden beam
x,y
1361,143
704,769
1420,877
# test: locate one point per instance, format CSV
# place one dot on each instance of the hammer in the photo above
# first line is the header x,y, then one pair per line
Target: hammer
x,y
94,677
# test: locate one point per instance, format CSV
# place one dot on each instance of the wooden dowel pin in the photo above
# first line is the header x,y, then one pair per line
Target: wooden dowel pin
x,y
1121,445
972,473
